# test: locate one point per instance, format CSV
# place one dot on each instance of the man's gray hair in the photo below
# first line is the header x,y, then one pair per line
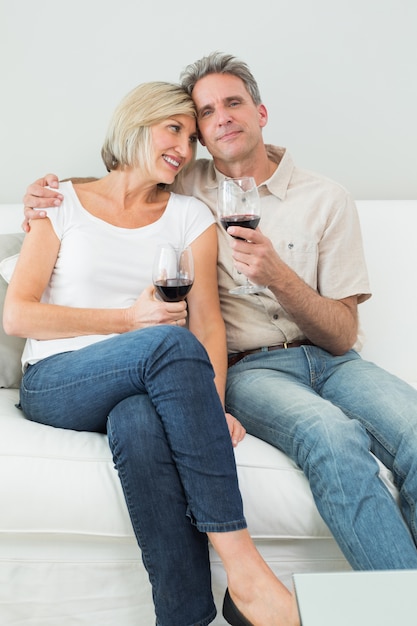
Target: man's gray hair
x,y
220,63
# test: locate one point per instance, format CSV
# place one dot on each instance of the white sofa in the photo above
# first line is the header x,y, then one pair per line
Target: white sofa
x,y
67,552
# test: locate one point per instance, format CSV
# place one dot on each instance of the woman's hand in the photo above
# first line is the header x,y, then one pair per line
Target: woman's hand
x,y
236,430
148,310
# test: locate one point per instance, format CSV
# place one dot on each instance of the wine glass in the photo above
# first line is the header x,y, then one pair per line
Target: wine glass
x,y
239,205
173,272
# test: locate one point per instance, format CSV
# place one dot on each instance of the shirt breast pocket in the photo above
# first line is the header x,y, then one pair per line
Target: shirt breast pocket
x,y
302,257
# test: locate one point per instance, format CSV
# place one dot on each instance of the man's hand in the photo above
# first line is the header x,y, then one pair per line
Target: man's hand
x,y
37,196
254,254
236,430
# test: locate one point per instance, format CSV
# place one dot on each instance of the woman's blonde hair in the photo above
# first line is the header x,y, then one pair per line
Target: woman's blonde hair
x,y
128,142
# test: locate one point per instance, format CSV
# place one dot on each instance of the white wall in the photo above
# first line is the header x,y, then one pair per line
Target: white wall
x,y
337,76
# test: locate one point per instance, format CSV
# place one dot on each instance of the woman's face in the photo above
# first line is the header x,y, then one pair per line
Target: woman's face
x,y
173,145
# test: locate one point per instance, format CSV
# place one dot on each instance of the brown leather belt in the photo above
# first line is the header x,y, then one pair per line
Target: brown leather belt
x,y
236,357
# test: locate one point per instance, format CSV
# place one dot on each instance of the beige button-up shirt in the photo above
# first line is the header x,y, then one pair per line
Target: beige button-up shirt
x,y
313,224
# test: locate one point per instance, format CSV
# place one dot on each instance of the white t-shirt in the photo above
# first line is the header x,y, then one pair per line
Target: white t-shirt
x,y
104,266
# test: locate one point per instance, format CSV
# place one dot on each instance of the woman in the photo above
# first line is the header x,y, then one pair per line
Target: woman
x,y
106,355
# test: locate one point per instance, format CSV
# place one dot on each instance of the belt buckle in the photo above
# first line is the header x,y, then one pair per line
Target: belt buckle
x,y
285,345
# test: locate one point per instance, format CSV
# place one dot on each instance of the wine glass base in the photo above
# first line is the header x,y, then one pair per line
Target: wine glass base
x,y
247,289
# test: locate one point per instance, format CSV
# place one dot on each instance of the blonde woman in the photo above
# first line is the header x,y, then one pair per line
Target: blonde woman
x,y
104,354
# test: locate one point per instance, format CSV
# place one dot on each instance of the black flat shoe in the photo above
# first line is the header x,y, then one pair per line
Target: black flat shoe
x,y
231,613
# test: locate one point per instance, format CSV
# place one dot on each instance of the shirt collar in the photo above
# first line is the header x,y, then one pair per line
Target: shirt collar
x,y
277,184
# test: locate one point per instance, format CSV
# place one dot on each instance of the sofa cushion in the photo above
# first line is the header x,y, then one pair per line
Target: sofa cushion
x,y
10,347
64,477
56,480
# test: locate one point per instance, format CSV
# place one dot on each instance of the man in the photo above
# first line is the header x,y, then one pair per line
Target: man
x,y
295,378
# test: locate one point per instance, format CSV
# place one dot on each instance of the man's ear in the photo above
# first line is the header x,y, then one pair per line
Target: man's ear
x,y
263,115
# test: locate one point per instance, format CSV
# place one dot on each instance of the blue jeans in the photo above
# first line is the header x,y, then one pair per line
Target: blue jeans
x,y
152,390
326,413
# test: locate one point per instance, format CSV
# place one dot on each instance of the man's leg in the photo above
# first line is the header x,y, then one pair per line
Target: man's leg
x,y
387,407
272,396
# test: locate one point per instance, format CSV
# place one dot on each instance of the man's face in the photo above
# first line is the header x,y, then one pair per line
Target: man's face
x,y
229,122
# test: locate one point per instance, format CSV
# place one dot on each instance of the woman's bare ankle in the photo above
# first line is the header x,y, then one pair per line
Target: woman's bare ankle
x,y
262,598
258,594
272,607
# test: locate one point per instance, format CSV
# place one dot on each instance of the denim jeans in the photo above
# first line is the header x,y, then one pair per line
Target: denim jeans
x,y
326,413
152,390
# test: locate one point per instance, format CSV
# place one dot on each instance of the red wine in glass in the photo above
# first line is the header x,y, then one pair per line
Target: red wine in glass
x,y
245,220
239,205
173,272
173,289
